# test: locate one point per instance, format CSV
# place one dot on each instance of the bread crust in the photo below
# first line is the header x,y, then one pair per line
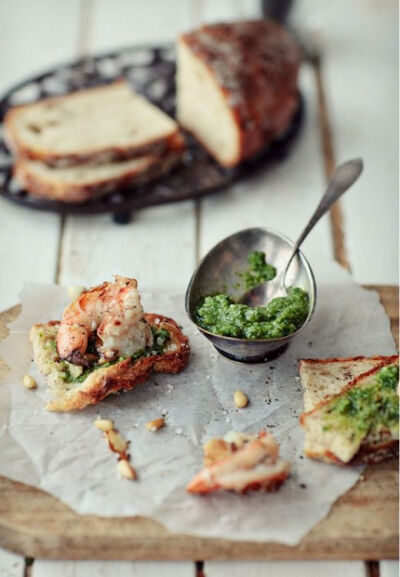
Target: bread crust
x,y
71,192
126,374
255,67
98,155
342,360
369,452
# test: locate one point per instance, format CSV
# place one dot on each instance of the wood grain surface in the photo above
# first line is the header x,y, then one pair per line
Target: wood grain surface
x,y
362,524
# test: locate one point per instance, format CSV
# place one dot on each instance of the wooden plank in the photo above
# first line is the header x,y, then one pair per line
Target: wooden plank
x,y
11,565
389,569
112,569
285,568
360,69
119,23
389,296
94,247
362,524
336,212
35,35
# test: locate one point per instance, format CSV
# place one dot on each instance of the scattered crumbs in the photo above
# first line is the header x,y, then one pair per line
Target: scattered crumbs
x,y
303,486
228,419
224,412
178,431
170,388
276,400
301,457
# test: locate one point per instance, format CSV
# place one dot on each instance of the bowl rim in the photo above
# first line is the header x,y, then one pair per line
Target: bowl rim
x,y
307,267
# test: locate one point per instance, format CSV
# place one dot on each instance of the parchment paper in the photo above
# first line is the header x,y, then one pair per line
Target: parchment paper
x,y
65,455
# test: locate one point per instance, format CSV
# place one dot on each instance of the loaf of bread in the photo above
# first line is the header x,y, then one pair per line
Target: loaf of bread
x,y
237,86
97,125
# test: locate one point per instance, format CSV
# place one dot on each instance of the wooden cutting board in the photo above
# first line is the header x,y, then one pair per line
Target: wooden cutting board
x,y
362,524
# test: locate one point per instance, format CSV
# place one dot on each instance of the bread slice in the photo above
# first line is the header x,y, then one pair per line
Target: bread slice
x,y
85,182
323,378
241,463
237,86
341,444
75,391
97,125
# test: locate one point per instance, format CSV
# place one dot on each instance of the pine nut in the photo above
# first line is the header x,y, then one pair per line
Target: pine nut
x,y
29,382
240,399
104,424
116,442
126,470
155,425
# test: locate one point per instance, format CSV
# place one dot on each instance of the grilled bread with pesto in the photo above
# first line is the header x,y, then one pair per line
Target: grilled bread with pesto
x,y
76,387
359,421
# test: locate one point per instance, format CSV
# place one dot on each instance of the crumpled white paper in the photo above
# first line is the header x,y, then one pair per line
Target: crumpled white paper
x,y
66,456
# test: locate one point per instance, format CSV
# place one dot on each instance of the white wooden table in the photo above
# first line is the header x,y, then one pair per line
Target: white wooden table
x,y
359,74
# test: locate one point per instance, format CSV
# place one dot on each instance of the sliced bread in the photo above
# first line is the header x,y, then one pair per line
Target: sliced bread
x,y
237,86
85,182
338,428
74,390
97,125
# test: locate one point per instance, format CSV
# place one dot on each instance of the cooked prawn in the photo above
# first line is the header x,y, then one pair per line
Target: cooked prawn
x,y
112,314
241,463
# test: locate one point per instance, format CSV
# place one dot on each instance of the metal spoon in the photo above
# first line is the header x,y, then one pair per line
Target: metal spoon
x,y
344,176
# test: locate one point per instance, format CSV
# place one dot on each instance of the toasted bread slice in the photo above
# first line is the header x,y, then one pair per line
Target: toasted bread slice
x,y
97,125
323,378
241,463
75,391
337,442
82,183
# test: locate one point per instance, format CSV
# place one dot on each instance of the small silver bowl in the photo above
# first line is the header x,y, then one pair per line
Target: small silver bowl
x,y
219,272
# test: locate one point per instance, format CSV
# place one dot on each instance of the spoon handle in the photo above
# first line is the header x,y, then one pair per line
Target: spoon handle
x,y
344,176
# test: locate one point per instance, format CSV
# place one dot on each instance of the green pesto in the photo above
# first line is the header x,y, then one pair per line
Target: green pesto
x,y
160,341
282,316
369,409
259,270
